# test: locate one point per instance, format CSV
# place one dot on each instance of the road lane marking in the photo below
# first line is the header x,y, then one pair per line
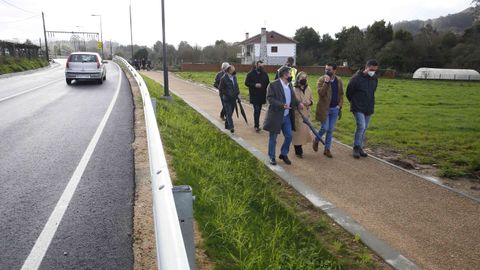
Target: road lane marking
x,y
40,248
29,90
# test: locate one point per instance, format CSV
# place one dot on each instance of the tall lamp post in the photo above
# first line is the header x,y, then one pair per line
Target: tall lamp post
x,y
101,31
165,64
131,31
46,42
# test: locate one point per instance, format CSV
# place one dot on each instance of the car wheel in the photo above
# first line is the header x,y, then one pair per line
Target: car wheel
x,y
105,77
100,81
69,81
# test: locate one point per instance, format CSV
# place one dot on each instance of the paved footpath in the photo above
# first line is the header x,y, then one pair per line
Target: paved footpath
x,y
430,225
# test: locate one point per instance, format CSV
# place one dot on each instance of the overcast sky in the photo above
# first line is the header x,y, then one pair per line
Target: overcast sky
x,y
203,22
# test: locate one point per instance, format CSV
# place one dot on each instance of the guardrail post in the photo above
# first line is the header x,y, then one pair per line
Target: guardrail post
x,y
154,105
184,204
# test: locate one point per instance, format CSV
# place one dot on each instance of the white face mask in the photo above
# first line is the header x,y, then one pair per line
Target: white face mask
x,y
371,73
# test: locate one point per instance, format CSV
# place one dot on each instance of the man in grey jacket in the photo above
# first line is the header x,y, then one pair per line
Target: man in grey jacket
x,y
280,115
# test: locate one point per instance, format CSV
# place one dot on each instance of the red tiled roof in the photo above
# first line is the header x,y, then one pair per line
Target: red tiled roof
x,y
272,37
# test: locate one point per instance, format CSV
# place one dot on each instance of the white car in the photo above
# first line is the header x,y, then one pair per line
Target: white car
x,y
85,66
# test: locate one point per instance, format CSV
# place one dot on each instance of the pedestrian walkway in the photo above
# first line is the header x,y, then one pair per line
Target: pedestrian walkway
x,y
430,225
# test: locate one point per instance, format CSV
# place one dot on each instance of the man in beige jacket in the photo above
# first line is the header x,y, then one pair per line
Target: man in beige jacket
x,y
330,102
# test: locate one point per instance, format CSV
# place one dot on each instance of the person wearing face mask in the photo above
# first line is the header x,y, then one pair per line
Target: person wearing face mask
x,y
216,84
289,63
280,115
257,81
229,90
361,94
330,102
303,94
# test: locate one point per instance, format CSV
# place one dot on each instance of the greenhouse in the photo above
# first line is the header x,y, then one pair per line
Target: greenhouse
x,y
446,74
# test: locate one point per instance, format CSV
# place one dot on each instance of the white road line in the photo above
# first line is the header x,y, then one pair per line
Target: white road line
x,y
38,251
29,90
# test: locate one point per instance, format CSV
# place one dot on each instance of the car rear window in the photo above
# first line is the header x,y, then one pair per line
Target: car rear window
x,y
83,58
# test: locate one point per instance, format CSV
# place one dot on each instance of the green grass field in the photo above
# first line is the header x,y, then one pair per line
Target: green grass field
x,y
248,218
432,122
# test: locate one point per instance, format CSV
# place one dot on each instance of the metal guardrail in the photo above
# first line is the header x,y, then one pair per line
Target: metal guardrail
x,y
170,247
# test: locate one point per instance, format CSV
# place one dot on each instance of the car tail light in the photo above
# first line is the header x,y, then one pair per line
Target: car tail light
x,y
68,61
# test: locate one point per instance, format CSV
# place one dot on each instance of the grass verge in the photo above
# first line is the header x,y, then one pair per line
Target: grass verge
x,y
10,64
247,216
430,122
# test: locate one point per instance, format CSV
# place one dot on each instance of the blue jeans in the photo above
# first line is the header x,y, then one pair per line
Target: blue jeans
x,y
362,125
287,133
329,126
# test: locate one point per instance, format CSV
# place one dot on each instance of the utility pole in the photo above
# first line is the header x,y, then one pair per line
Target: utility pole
x,y
101,31
131,32
45,35
165,64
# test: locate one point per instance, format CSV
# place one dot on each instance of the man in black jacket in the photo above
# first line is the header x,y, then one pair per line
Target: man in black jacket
x,y
361,94
257,81
229,90
216,84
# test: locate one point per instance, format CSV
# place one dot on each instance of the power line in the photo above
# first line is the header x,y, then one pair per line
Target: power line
x,y
21,20
17,7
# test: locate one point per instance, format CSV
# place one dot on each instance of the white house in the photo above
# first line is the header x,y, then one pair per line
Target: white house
x,y
269,46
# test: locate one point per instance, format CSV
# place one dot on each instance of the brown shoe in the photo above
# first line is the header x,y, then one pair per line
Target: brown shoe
x,y
315,145
328,154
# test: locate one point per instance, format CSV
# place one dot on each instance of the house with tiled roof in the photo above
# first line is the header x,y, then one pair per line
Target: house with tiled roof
x,y
271,47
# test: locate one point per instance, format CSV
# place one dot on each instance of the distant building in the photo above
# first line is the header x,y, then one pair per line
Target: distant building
x,y
446,74
269,46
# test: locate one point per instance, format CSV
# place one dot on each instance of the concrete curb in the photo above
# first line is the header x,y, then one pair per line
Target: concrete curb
x,y
390,255
15,74
430,179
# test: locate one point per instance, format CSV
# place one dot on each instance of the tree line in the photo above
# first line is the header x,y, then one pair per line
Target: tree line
x,y
399,50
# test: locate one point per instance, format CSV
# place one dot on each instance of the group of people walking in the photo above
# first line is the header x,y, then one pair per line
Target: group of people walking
x,y
290,99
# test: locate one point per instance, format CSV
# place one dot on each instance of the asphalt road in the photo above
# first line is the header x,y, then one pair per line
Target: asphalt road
x,y
48,131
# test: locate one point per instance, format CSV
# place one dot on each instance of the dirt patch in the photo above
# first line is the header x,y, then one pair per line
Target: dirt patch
x,y
143,228
466,185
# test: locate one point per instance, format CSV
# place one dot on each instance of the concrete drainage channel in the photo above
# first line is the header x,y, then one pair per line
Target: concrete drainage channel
x,y
390,255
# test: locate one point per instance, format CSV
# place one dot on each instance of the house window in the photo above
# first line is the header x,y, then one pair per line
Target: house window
x,y
274,49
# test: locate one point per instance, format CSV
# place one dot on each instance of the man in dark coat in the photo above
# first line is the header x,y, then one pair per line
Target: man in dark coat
x,y
229,90
257,81
216,84
361,94
280,115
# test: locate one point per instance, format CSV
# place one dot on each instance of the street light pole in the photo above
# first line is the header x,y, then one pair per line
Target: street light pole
x,y
165,64
45,35
131,31
101,31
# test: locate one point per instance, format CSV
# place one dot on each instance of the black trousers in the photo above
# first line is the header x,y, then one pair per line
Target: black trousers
x,y
229,106
257,109
298,150
222,112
